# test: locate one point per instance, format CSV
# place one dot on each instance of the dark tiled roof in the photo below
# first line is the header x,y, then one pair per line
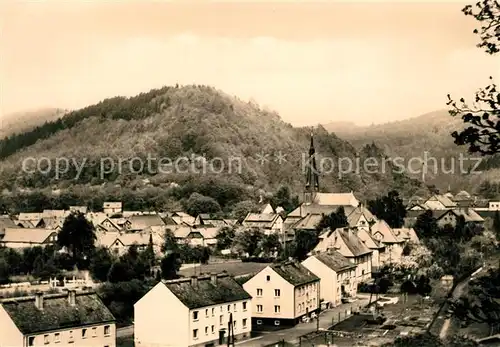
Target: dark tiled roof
x,y
57,312
205,293
335,261
353,242
295,273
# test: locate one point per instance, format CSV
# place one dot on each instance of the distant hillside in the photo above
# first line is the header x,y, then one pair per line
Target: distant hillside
x,y
24,121
173,122
409,138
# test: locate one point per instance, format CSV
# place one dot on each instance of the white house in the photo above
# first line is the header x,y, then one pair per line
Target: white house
x,y
269,223
382,232
347,243
377,248
73,319
191,312
283,294
337,275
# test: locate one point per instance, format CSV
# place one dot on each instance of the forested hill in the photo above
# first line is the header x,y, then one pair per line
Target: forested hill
x,y
174,122
20,122
412,137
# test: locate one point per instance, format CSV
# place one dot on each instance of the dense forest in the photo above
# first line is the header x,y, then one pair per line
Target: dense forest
x,y
195,122
412,137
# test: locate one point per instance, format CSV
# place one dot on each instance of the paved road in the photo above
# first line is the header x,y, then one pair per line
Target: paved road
x,y
292,335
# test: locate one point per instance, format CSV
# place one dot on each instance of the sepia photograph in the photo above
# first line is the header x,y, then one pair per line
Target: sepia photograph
x,y
249,173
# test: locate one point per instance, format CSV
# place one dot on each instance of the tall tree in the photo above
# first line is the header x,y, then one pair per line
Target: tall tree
x,y
248,241
390,208
100,264
482,134
169,242
426,225
197,204
170,265
303,243
224,237
333,221
284,199
496,225
78,236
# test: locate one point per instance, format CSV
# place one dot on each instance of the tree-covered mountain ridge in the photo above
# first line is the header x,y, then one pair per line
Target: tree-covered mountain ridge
x,y
412,137
187,121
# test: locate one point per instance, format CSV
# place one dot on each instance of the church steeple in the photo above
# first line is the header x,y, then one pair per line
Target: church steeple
x,y
312,178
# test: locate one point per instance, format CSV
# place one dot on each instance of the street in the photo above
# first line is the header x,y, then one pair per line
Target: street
x,y
292,335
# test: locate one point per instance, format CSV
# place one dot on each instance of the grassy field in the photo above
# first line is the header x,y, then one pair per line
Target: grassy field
x,y
233,268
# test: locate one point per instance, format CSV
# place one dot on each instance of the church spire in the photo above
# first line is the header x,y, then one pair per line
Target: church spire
x,y
312,178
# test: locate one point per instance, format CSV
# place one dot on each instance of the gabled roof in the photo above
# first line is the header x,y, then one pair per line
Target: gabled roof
x,y
353,243
368,240
261,220
309,222
437,200
27,235
145,221
336,199
335,261
469,214
385,230
406,234
294,273
57,313
112,204
29,216
107,239
206,293
303,210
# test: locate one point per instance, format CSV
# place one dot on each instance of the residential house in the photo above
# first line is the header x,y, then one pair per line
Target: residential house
x,y
283,294
19,238
118,243
208,220
178,218
360,217
449,217
73,319
337,275
112,208
108,225
347,243
494,205
270,223
382,232
408,235
439,202
57,214
377,248
199,236
192,312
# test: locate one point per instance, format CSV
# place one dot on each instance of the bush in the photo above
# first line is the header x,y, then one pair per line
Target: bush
x,y
257,260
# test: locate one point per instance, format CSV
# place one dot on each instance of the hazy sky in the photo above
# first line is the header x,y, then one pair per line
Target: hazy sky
x,y
311,62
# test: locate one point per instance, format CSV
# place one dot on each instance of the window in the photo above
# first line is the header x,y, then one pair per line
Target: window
x,y
57,338
84,333
206,312
244,323
259,322
213,312
213,329
94,332
234,307
46,339
244,306
234,324
221,318
268,278
206,330
195,315
228,308
277,292
259,292
31,341
276,309
71,337
259,308
195,333
106,330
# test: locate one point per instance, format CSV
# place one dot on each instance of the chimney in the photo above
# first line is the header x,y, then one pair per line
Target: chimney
x,y
213,279
39,300
72,297
194,281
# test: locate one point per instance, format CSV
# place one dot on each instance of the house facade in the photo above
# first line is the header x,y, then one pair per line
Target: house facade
x,y
19,238
337,275
269,223
383,233
282,295
73,319
192,312
111,208
346,242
